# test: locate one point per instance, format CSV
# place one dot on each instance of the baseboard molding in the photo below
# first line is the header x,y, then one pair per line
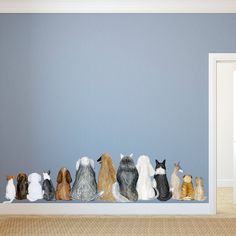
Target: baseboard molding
x,y
224,182
107,209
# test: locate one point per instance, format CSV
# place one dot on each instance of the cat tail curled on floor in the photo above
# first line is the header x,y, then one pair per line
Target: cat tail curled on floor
x,y
154,185
8,202
116,193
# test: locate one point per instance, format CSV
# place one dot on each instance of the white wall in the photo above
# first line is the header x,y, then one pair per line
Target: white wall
x,y
225,91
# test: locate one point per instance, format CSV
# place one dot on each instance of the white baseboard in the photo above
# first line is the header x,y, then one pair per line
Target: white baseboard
x,y
224,182
107,209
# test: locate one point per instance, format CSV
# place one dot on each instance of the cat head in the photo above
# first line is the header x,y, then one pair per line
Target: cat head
x,y
160,167
127,161
122,156
46,175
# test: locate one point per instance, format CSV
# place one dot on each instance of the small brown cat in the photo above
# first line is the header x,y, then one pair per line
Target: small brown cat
x,y
199,189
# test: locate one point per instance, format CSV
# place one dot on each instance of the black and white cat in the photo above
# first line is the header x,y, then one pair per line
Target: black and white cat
x,y
161,180
47,187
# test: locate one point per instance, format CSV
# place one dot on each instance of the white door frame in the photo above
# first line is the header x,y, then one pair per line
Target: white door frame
x,y
215,58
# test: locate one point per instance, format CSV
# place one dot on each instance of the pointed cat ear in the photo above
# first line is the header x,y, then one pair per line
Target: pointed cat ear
x,y
121,156
157,162
49,172
164,162
131,155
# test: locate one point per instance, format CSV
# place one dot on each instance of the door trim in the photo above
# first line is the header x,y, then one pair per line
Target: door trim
x,y
214,58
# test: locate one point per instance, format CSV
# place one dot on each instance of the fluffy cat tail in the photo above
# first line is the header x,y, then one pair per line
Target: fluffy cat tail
x,y
154,185
116,193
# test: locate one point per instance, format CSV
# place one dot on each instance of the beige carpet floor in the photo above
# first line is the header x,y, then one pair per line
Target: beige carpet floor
x,y
224,223
117,226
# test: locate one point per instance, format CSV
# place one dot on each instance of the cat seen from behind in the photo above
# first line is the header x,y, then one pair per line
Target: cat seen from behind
x,y
127,177
161,180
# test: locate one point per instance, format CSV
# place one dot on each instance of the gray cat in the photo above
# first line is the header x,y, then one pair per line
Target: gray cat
x,y
127,177
85,185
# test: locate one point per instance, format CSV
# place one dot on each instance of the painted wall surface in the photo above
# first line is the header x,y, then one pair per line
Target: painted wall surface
x,y
84,84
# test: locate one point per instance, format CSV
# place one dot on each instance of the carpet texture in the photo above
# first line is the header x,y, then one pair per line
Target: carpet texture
x,y
132,226
224,223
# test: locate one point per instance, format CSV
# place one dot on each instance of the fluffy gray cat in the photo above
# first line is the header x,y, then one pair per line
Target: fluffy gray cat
x,y
127,177
85,185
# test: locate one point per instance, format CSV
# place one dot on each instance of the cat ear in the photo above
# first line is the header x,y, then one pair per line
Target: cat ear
x,y
77,164
164,162
121,156
49,172
157,162
131,155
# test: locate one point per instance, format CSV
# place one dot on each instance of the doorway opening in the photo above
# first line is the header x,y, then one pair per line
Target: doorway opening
x,y
226,133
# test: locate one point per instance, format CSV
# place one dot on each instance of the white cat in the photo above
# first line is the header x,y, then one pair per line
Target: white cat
x,y
10,190
35,188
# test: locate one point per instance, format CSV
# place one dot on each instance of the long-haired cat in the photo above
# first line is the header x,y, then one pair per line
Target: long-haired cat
x,y
162,184
127,177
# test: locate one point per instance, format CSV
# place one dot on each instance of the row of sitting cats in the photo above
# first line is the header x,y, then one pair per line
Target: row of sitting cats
x,y
130,183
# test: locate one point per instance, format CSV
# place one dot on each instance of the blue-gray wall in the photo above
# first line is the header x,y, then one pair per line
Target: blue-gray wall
x,y
83,84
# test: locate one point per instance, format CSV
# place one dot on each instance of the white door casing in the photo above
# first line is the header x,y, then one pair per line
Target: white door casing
x,y
225,75
215,58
